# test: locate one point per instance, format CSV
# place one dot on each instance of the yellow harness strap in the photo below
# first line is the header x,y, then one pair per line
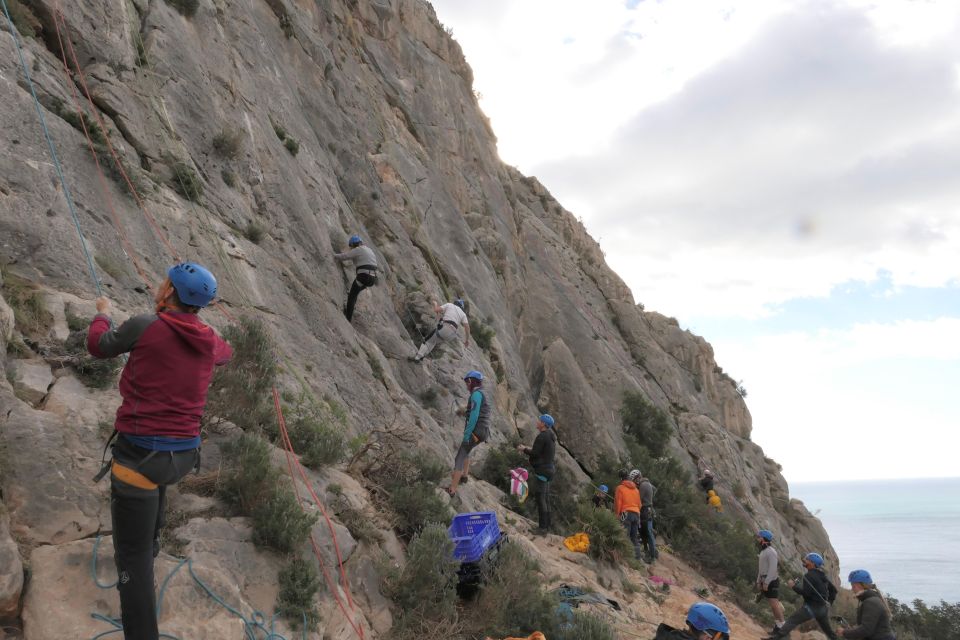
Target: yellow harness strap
x,y
131,477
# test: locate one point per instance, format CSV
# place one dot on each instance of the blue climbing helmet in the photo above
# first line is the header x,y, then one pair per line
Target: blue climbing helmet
x,y
814,558
460,303
548,420
195,286
604,488
474,375
704,616
765,534
860,575
355,241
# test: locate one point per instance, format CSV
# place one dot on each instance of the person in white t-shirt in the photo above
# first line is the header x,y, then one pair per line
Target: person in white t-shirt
x,y
450,317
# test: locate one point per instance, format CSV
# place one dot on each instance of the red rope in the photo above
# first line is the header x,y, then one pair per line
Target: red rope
x,y
96,113
292,461
124,240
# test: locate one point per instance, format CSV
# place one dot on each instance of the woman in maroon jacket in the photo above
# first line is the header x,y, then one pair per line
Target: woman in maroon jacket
x,y
164,389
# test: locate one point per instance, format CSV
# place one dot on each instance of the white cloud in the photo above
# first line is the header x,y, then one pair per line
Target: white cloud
x,y
871,401
733,156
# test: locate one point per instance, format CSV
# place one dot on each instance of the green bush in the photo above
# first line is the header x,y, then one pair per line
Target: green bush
x,y
362,527
279,522
95,373
925,622
499,462
292,146
512,601
75,322
241,390
254,232
424,591
647,424
299,583
587,626
186,7
315,440
186,181
228,142
30,315
23,19
407,468
249,473
252,483
608,538
483,334
81,122
376,368
416,506
229,178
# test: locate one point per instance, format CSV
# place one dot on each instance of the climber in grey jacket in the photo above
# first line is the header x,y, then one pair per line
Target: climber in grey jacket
x,y
768,580
365,262
873,616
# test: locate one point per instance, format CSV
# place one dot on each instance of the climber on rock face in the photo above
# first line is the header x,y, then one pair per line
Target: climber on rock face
x,y
164,389
768,580
450,317
706,481
714,501
542,455
365,262
705,621
475,430
626,504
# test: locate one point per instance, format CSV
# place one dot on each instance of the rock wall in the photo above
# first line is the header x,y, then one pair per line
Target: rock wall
x,y
387,141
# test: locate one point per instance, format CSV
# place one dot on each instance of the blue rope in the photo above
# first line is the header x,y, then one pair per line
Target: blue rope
x,y
253,626
53,150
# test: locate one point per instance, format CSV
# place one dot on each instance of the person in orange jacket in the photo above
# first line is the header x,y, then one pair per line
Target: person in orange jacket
x,y
626,504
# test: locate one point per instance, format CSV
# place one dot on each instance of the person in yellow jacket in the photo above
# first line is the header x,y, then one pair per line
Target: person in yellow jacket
x,y
714,500
626,504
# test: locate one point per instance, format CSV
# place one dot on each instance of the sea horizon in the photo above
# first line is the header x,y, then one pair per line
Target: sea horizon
x,y
905,531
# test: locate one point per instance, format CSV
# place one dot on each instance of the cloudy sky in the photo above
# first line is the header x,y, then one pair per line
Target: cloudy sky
x,y
781,176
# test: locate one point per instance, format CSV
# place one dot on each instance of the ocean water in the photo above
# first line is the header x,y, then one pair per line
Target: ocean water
x,y
906,533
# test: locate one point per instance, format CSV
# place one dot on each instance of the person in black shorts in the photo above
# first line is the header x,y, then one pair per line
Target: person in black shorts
x,y
768,582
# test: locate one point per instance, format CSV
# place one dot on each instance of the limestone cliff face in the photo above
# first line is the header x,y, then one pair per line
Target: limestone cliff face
x,y
388,142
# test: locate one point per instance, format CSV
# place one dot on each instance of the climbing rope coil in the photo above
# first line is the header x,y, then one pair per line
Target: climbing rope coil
x,y
256,624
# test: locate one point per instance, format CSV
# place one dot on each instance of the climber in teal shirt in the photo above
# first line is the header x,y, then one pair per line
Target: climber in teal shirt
x,y
475,430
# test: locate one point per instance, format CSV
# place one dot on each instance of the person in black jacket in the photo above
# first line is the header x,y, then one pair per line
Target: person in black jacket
x,y
873,616
818,593
542,455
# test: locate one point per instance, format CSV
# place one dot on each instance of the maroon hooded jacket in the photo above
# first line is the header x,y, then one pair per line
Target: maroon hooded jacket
x,y
164,383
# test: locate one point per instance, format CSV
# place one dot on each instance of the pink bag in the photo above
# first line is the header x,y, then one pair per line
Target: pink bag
x,y
518,484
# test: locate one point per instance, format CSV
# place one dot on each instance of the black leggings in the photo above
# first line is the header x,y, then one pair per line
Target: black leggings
x,y
363,280
137,515
541,492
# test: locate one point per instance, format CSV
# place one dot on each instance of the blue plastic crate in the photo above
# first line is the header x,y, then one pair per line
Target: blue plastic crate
x,y
472,534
